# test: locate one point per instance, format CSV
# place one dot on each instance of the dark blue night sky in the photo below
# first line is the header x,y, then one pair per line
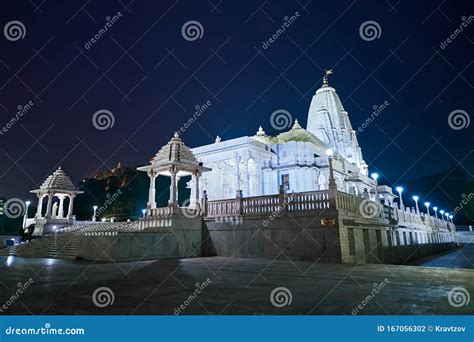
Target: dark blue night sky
x,y
151,79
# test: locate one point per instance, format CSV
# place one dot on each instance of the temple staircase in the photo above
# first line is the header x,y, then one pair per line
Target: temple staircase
x,y
56,246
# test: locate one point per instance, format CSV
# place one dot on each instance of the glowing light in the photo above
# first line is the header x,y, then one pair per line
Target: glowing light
x,y
329,152
416,198
375,175
95,207
27,203
427,204
435,208
399,189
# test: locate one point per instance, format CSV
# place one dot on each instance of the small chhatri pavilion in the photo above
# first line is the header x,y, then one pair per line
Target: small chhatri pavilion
x,y
58,185
174,160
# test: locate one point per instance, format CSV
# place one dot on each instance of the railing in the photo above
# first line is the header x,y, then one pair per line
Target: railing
x,y
307,201
264,205
220,208
260,205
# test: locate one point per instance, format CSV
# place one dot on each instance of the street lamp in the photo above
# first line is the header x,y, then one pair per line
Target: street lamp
x,y
427,205
400,190
95,212
416,198
436,212
375,176
143,213
442,214
25,217
451,218
332,181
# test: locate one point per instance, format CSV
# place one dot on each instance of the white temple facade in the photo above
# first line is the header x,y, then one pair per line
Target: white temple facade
x,y
296,159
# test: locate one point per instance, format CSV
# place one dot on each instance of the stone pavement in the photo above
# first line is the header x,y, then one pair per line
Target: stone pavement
x,y
455,258
238,286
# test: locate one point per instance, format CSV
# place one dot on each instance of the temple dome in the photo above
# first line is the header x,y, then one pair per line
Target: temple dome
x,y
58,180
175,151
297,133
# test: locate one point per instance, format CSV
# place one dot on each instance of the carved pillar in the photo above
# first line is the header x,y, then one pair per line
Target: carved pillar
x,y
61,206
48,207
71,206
172,200
40,205
246,177
237,173
195,191
151,192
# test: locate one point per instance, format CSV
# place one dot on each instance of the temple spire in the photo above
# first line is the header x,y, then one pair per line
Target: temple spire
x,y
327,72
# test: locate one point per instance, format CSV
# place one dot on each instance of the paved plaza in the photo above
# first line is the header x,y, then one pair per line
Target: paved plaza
x,y
234,286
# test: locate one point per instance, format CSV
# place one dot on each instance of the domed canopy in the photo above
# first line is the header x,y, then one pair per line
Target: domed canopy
x,y
58,181
175,155
175,151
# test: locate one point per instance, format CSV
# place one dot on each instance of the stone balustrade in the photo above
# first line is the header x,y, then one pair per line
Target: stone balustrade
x,y
317,201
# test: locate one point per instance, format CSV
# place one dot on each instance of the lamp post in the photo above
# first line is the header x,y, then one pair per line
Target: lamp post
x,y
332,181
375,176
436,212
25,217
427,205
143,213
451,218
442,214
447,217
416,198
400,190
95,212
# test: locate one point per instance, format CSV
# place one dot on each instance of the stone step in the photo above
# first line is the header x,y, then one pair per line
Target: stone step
x,y
64,246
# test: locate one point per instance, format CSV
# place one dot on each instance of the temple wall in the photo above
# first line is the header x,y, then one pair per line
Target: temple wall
x,y
295,237
181,240
336,237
